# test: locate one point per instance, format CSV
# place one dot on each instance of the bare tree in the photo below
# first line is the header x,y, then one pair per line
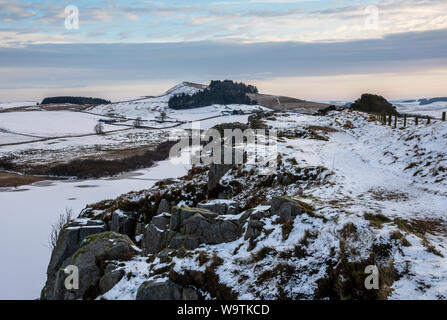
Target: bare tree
x,y
137,122
163,115
57,227
99,128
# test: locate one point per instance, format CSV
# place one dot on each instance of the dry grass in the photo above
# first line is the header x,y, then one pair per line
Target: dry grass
x,y
286,228
376,220
8,179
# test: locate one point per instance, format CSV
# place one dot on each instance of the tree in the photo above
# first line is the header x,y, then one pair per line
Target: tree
x,y
163,115
99,128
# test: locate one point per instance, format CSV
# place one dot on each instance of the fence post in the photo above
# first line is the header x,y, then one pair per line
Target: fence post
x,y
395,121
428,120
443,116
416,120
405,120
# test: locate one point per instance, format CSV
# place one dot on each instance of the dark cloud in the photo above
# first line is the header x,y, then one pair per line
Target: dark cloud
x,y
95,63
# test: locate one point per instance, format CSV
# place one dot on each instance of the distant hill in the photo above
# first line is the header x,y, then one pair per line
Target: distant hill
x,y
74,100
424,102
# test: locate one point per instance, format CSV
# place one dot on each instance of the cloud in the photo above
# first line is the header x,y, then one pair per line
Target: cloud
x,y
245,21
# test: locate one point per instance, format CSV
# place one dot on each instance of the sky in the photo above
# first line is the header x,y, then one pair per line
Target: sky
x,y
310,49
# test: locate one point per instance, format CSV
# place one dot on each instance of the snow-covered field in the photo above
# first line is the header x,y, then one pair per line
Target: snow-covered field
x,y
44,124
434,109
9,105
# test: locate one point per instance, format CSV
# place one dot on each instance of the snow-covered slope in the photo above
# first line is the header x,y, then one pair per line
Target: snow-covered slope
x,y
376,196
147,108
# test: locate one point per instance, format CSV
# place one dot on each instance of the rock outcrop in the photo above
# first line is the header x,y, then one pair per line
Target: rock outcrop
x,y
221,206
216,172
69,241
165,290
90,260
190,227
156,234
110,279
255,225
164,206
286,208
123,223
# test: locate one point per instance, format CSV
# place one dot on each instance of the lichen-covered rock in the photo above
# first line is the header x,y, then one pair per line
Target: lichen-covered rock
x,y
221,206
286,208
195,226
68,243
156,234
90,260
165,290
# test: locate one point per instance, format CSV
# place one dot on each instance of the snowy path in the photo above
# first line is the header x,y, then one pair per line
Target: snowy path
x,y
363,170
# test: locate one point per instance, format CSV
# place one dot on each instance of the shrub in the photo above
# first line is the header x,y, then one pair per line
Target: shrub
x,y
56,228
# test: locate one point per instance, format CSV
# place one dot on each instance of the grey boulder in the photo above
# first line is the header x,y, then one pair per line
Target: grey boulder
x,y
221,206
109,280
164,290
123,223
286,208
191,227
68,243
156,234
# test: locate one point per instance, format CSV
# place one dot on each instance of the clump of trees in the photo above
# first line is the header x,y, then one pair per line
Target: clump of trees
x,y
373,103
75,100
218,92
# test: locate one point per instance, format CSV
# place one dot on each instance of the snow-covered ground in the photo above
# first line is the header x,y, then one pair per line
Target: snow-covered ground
x,y
9,105
434,109
374,169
